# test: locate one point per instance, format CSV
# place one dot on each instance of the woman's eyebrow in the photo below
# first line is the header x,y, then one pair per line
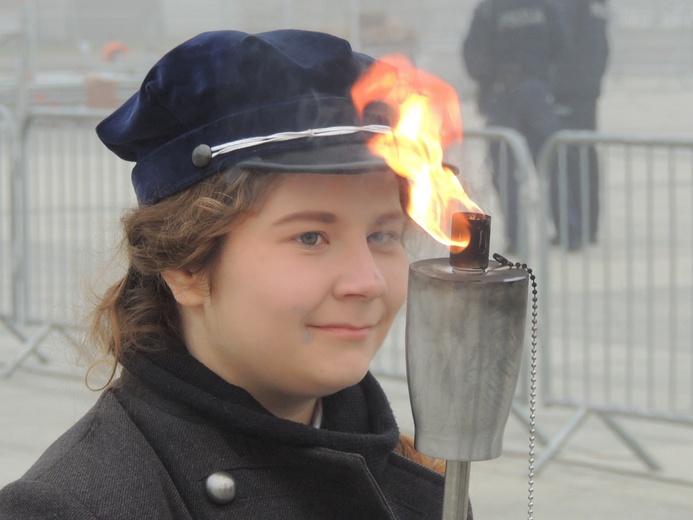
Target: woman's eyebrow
x,y
323,217
389,217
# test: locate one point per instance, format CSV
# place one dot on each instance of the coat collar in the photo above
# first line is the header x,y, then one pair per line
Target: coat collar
x,y
357,419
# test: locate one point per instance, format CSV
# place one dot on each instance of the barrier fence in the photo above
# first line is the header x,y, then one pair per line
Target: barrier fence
x,y
616,323
8,149
70,192
617,310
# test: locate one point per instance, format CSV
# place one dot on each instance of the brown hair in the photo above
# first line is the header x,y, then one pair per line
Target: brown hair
x,y
405,447
183,232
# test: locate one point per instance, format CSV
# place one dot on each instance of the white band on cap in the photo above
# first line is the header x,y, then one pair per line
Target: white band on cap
x,y
288,136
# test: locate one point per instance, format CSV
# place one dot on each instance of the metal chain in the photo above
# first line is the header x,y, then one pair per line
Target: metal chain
x,y
532,378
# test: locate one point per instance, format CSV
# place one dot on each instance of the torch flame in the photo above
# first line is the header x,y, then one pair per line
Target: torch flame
x,y
429,120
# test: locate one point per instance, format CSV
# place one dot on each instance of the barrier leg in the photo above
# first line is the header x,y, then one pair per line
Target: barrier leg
x,y
30,347
559,440
13,330
637,448
522,416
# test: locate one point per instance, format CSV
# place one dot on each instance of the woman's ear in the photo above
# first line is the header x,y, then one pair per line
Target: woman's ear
x,y
189,289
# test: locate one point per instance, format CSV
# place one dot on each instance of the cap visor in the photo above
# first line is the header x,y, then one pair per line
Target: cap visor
x,y
342,158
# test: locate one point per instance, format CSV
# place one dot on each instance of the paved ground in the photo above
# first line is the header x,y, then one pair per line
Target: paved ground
x,y
595,476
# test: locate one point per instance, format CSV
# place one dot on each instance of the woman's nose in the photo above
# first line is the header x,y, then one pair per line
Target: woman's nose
x,y
360,274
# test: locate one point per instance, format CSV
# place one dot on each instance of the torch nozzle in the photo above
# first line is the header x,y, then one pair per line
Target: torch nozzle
x,y
475,229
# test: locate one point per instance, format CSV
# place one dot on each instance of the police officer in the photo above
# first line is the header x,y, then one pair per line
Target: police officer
x,y
510,51
576,87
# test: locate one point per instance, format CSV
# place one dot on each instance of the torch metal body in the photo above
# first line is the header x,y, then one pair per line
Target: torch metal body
x,y
464,339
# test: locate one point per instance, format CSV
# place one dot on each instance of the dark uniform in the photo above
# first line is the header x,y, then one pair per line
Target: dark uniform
x,y
577,86
172,440
510,51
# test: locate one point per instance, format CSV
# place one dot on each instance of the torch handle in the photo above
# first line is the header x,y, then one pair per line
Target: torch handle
x,y
456,497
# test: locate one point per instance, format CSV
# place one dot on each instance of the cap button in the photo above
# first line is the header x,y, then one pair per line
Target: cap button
x,y
202,155
220,487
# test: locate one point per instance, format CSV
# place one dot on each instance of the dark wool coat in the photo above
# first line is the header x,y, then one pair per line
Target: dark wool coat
x,y
524,35
149,444
580,72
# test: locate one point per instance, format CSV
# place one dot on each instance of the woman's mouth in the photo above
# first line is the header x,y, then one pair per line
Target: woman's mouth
x,y
344,331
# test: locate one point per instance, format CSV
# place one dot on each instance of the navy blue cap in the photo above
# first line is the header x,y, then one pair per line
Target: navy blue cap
x,y
278,100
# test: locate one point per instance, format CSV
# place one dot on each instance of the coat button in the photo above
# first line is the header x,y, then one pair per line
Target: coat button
x,y
220,487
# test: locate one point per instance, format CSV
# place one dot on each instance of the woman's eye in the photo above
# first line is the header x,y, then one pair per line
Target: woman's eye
x,y
383,237
311,238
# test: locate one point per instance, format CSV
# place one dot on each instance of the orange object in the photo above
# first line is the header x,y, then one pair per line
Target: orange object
x,y
113,50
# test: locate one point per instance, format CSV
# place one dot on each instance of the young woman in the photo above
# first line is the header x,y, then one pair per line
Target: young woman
x,y
266,266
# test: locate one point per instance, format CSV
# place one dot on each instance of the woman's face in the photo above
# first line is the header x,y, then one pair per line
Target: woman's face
x,y
306,290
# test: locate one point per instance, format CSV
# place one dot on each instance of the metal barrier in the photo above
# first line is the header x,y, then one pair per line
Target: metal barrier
x,y
8,150
474,164
651,38
73,191
616,312
616,325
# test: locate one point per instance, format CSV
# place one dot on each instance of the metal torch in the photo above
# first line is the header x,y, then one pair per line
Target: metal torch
x,y
464,339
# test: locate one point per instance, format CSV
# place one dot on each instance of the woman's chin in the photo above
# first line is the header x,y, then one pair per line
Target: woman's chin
x,y
342,379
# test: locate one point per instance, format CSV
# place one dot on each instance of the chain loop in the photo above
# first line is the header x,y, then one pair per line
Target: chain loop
x,y
532,377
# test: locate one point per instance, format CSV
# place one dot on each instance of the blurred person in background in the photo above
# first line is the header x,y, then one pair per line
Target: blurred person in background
x,y
576,86
511,50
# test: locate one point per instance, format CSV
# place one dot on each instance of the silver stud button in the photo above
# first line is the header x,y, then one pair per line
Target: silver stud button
x,y
220,487
202,155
